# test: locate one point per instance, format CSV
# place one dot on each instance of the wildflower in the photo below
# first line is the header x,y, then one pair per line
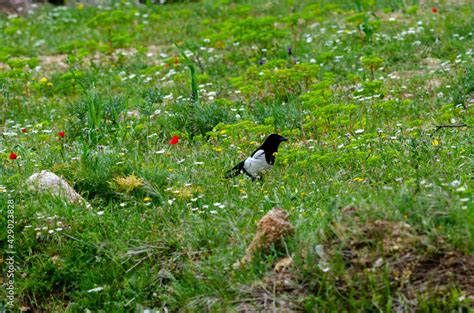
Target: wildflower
x,y
289,51
43,80
358,179
455,183
174,140
95,289
23,130
50,84
176,60
434,10
128,183
13,156
435,142
61,134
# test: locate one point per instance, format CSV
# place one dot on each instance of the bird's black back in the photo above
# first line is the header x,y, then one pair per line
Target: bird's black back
x,y
270,146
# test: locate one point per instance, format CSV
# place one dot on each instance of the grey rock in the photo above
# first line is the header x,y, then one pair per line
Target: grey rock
x,y
48,182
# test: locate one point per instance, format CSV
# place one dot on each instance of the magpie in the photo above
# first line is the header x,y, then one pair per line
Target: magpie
x,y
261,159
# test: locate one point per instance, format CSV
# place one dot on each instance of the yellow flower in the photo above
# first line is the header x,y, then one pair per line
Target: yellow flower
x,y
43,80
128,183
435,142
187,192
218,149
147,199
50,84
358,179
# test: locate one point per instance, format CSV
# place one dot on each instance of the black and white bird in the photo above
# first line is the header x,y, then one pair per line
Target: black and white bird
x,y
262,159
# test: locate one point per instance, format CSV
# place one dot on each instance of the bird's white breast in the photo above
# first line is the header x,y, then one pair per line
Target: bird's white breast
x,y
256,163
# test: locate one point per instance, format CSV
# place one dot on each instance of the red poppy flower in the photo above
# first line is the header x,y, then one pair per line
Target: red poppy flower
x,y
13,156
174,140
61,134
434,10
23,130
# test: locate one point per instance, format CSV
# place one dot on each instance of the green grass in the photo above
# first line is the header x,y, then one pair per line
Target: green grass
x,y
359,98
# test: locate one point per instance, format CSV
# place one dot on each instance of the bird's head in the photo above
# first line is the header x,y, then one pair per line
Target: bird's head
x,y
274,140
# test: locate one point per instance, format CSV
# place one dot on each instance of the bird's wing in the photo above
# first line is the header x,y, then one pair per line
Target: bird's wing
x,y
259,150
258,154
257,163
268,156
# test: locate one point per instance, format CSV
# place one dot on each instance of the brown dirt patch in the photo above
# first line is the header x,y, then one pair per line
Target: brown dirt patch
x,y
416,267
279,291
440,272
374,253
56,62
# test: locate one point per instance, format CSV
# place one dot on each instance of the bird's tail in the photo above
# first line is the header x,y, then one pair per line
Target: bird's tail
x,y
236,170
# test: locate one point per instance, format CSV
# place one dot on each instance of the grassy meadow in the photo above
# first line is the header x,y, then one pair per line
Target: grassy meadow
x,y
375,96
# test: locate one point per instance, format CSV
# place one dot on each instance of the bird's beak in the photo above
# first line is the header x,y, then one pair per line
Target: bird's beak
x,y
283,139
